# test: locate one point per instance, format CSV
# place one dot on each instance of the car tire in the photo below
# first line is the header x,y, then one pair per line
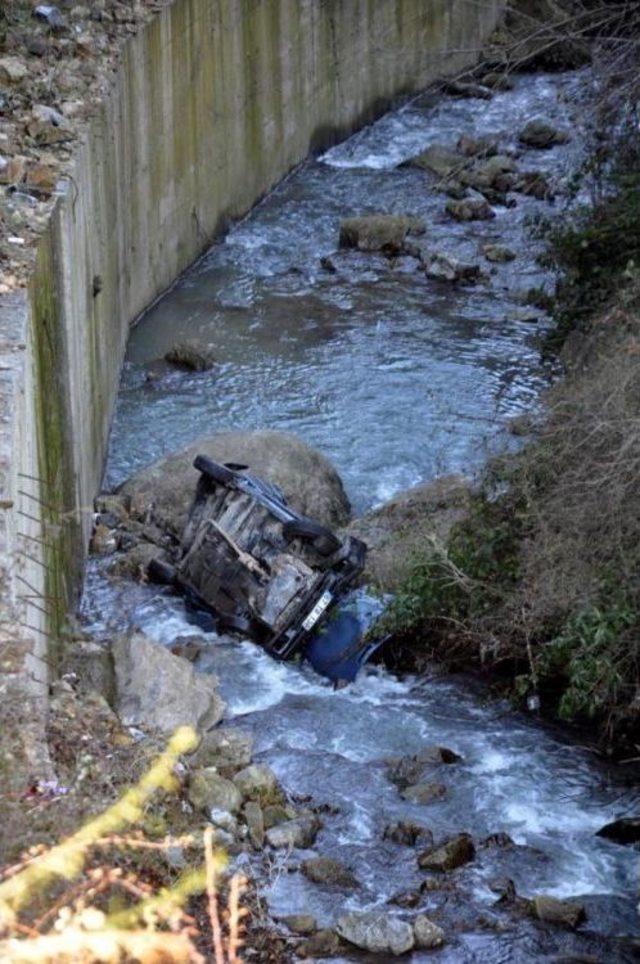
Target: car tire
x,y
213,470
322,538
161,572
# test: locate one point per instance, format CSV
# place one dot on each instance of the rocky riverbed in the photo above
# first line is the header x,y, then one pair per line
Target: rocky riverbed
x,y
395,816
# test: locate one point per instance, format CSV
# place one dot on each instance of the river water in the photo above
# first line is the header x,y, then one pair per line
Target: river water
x,y
397,379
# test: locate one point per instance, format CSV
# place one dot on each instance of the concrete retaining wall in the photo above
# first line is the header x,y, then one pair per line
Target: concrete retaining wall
x,y
214,101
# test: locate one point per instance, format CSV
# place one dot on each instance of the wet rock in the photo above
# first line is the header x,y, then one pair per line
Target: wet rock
x,y
505,888
424,793
427,934
188,647
542,135
255,823
486,146
275,814
533,184
379,232
103,541
405,771
453,853
440,160
191,355
50,15
626,830
156,689
310,483
327,264
409,522
300,832
458,88
325,943
302,924
134,563
12,70
407,899
408,833
224,747
224,820
376,932
330,872
498,253
498,840
258,782
497,81
437,754
470,209
209,791
444,267
552,910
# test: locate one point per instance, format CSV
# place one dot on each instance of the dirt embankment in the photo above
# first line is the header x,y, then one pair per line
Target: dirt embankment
x,y
56,64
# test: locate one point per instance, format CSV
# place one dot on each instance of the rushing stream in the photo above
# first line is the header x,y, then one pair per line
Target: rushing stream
x,y
397,379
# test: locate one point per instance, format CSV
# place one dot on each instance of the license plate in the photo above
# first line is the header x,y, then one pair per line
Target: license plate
x,y
317,611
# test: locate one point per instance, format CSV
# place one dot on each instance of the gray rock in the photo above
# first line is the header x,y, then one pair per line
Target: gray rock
x,y
413,521
437,754
424,793
325,943
533,184
408,833
257,781
209,791
541,135
255,822
376,932
486,146
625,830
134,563
497,81
444,267
440,160
302,924
552,910
326,870
458,88
379,232
498,253
311,485
224,820
427,934
454,853
156,689
276,813
300,832
92,665
191,355
224,747
470,209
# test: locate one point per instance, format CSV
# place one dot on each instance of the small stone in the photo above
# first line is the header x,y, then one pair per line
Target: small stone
x,y
42,175
424,793
12,70
37,46
257,781
51,16
325,943
408,833
14,169
440,160
326,870
470,209
541,135
453,853
255,822
497,81
444,267
533,184
498,840
552,910
376,932
103,541
300,832
427,934
209,791
225,746
224,820
275,814
379,232
437,754
486,146
457,88
191,355
189,647
85,45
302,924
498,253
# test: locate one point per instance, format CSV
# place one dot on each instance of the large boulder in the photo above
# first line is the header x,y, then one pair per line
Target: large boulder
x,y
165,489
330,872
453,853
379,232
443,161
158,690
376,932
414,521
553,910
443,267
541,135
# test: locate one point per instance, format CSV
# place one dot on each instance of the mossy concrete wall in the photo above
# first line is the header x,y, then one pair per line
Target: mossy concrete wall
x,y
212,104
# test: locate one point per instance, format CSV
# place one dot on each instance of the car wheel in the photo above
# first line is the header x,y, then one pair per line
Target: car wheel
x,y
161,572
323,539
213,470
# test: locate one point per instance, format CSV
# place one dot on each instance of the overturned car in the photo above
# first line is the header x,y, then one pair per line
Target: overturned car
x,y
251,564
